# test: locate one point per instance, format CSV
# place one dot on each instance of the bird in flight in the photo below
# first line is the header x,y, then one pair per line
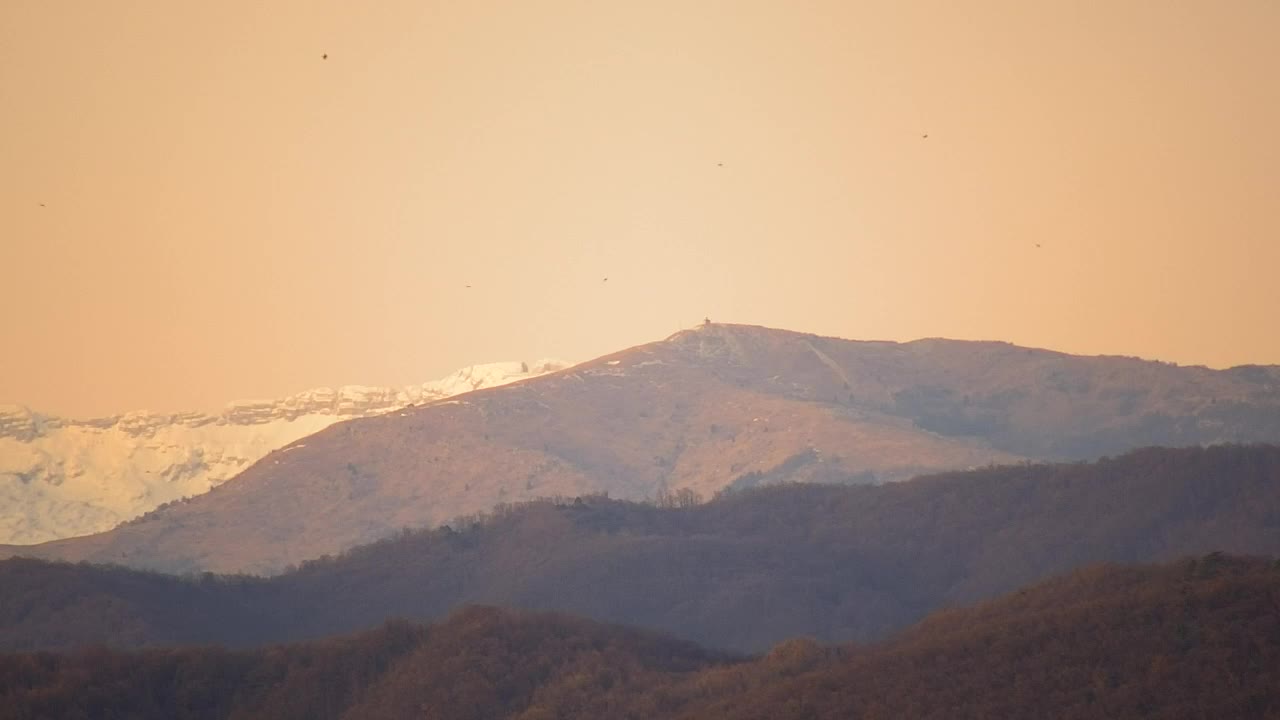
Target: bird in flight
x,y
41,204
1037,244
605,280
925,136
324,56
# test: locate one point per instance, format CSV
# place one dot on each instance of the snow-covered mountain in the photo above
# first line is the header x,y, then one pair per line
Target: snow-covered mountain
x,y
62,478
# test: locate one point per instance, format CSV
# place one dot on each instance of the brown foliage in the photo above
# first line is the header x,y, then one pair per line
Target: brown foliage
x,y
745,571
1192,639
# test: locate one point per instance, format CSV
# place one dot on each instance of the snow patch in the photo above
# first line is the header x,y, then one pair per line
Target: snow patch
x,y
61,478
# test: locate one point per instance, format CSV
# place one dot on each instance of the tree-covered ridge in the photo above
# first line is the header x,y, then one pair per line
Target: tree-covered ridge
x,y
1190,639
743,572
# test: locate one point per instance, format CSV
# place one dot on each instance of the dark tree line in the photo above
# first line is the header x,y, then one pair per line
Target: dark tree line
x,y
1191,639
743,572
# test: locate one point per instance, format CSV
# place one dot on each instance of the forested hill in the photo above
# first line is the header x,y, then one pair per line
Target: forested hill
x,y
1199,638
1192,639
743,572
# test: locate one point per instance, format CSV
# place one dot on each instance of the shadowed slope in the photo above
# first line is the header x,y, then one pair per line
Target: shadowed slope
x,y
745,571
1192,639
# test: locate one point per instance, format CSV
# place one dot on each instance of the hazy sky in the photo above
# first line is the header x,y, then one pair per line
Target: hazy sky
x,y
195,206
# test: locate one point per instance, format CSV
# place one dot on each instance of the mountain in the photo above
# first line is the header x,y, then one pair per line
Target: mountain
x,y
1199,638
745,571
479,663
723,406
62,478
1192,639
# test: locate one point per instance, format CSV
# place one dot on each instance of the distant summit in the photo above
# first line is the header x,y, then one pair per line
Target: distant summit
x,y
717,409
62,478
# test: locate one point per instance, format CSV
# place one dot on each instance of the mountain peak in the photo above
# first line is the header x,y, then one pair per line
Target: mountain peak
x,y
61,477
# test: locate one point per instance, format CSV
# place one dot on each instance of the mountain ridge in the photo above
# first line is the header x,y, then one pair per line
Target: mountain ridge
x,y
745,571
715,408
1196,637
61,477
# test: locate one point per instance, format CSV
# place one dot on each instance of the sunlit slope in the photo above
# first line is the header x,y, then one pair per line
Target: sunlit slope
x,y
719,407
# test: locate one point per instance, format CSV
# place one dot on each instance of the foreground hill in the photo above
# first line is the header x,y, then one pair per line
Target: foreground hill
x,y
836,563
1194,639
720,407
480,663
63,478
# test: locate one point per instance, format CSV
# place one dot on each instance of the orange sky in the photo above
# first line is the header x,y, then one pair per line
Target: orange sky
x,y
196,207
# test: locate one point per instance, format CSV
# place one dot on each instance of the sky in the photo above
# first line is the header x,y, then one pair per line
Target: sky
x,y
197,206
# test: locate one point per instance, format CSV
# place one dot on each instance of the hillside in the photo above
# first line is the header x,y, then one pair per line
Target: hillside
x,y
479,663
1196,638
748,570
720,407
64,478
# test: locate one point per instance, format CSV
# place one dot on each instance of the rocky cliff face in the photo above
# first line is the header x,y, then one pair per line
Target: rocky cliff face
x,y
62,478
